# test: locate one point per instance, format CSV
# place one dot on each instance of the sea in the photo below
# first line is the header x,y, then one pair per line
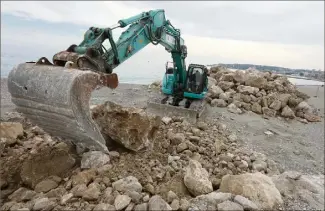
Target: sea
x,y
134,73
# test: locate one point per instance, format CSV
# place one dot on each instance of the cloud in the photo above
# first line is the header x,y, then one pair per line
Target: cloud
x,y
271,33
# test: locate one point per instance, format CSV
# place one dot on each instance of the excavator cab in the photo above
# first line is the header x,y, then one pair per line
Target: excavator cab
x,y
196,81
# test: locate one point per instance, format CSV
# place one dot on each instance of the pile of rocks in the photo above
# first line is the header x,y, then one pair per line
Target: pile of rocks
x,y
263,93
186,167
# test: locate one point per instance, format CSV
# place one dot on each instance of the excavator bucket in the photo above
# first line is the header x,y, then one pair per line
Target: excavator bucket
x,y
57,99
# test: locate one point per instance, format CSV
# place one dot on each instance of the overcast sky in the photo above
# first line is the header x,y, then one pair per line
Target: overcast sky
x,y
288,34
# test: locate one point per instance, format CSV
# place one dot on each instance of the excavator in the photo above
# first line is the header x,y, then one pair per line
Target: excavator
x,y
56,95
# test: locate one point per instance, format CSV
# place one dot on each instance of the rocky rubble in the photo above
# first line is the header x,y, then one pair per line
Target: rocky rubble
x,y
188,167
263,93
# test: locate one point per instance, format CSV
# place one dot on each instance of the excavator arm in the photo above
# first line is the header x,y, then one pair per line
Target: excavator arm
x,y
143,29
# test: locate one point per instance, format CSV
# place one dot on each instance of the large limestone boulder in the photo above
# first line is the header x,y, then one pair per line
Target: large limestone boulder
x,y
196,179
303,188
257,187
215,91
255,80
131,127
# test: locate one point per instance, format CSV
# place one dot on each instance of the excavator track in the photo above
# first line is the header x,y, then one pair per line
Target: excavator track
x,y
57,98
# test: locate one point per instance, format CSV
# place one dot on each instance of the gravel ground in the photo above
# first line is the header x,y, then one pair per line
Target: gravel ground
x,y
293,145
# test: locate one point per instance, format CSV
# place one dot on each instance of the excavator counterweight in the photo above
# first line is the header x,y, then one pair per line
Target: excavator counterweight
x,y
56,95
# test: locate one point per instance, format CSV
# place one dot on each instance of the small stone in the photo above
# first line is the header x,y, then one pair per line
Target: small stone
x,y
245,203
127,184
141,207
176,138
46,185
94,159
232,138
135,196
146,198
228,206
234,109
21,195
194,139
66,198
269,133
175,204
129,207
92,192
157,203
181,147
202,125
171,196
259,165
184,204
121,202
149,188
104,207
196,179
114,154
43,204
219,103
166,120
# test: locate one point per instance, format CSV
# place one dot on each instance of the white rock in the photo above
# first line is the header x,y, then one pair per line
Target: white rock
x,y
127,184
196,179
121,202
66,198
94,159
257,187
166,120
157,203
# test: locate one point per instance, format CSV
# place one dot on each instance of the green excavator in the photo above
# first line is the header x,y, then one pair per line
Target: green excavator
x,y
56,95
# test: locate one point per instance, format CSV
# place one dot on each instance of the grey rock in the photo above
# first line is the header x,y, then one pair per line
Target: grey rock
x,y
157,203
104,207
181,147
94,159
66,198
141,207
225,85
184,204
127,184
121,202
218,103
175,204
229,206
22,194
46,185
245,203
171,196
208,201
92,192
215,91
43,204
196,179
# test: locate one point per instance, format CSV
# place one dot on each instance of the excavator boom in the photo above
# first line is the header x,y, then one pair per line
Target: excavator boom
x,y
56,95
